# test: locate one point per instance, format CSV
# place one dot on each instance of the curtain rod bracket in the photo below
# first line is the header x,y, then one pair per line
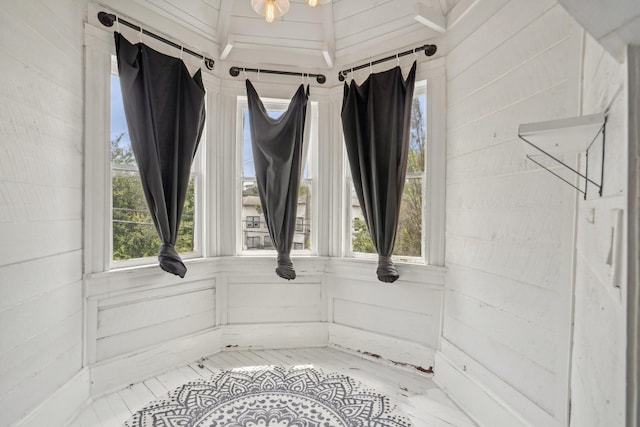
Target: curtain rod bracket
x,y
107,19
235,72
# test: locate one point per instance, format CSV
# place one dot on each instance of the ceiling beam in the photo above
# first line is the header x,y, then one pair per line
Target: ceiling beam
x,y
459,11
430,16
444,6
225,40
329,45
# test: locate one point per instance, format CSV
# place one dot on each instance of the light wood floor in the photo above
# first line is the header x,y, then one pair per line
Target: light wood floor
x,y
415,394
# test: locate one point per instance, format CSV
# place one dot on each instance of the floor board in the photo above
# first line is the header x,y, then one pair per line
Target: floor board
x,y
415,393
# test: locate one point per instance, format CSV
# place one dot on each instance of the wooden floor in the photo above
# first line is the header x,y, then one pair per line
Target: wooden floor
x,y
415,394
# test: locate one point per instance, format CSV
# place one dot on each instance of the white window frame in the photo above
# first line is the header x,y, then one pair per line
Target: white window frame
x,y
431,78
98,239
312,165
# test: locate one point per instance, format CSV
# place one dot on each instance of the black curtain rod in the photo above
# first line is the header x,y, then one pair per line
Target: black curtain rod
x,y
429,50
235,71
107,19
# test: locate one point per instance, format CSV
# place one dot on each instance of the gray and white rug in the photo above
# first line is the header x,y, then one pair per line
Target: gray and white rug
x,y
272,396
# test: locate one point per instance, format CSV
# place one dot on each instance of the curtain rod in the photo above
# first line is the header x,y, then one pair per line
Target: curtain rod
x,y
107,19
429,50
235,71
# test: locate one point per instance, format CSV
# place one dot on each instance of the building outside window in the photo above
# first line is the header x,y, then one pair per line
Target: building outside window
x,y
253,242
253,222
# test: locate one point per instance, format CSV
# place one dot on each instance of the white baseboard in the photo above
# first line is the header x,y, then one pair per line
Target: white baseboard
x,y
63,405
117,372
388,348
484,406
263,336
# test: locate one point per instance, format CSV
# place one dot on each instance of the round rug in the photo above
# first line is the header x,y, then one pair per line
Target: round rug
x,y
272,396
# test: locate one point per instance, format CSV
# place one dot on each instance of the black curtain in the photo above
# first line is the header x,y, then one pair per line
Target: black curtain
x,y
164,107
277,146
376,120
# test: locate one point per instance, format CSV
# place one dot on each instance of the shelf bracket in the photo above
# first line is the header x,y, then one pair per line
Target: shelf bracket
x,y
585,175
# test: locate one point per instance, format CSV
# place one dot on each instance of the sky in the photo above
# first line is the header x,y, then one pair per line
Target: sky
x,y
118,121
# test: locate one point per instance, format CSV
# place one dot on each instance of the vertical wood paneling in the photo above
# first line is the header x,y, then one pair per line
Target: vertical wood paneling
x,y
41,131
599,364
509,226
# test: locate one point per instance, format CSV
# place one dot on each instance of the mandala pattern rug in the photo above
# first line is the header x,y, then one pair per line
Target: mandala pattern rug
x,y
272,397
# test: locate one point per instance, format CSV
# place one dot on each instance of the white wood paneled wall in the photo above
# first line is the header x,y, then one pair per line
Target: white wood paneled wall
x,y
509,225
399,322
598,373
142,321
40,202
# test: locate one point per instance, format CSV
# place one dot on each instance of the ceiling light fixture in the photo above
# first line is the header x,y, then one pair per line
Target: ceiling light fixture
x,y
270,9
313,3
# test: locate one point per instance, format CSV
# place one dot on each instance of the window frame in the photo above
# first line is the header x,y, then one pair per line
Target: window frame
x,y
98,237
432,77
278,104
198,184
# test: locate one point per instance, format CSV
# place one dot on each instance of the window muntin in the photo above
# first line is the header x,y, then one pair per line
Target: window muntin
x,y
250,201
134,240
409,235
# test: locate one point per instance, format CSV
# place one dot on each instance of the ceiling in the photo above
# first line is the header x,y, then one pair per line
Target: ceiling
x,y
336,33
342,33
614,23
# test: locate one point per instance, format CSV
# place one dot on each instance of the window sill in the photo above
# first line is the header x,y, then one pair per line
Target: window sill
x,y
151,276
365,269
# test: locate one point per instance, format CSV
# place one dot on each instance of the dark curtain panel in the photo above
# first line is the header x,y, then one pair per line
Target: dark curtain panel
x,y
277,146
376,120
164,107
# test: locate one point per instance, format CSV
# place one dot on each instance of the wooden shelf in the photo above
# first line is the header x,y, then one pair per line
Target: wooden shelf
x,y
556,138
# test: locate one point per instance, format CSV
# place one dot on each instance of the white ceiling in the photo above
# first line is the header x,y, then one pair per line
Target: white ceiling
x,y
614,23
342,33
336,33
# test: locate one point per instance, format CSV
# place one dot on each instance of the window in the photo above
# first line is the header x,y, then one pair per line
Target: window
x,y
253,222
133,235
251,218
253,242
409,235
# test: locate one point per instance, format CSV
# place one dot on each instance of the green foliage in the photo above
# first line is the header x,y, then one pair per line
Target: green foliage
x,y
409,232
361,239
134,235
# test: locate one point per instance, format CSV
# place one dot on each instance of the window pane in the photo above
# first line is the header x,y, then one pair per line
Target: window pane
x,y
254,228
255,235
302,236
360,238
134,235
418,136
409,233
248,169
